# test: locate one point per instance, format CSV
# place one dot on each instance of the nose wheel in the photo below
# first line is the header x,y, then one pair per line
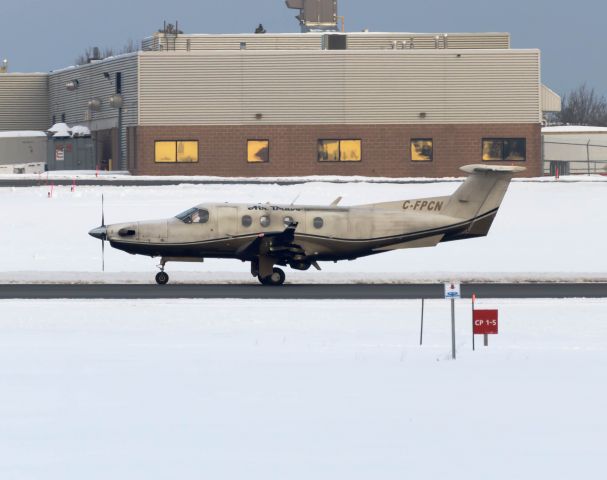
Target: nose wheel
x,y
276,278
162,278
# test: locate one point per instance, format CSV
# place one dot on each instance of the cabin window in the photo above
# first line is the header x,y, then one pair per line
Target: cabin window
x,y
504,149
318,222
182,151
194,215
200,216
421,149
339,150
264,221
246,221
288,221
258,151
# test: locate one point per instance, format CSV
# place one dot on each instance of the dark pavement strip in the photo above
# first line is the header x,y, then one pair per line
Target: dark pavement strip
x,y
299,291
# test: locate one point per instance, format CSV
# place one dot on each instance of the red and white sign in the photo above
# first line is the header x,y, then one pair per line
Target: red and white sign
x,y
485,322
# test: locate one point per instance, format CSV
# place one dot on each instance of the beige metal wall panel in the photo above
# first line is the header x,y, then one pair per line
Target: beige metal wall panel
x,y
147,44
24,101
374,41
340,87
551,101
313,41
93,84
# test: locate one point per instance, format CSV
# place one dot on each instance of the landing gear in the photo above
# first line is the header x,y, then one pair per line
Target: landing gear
x,y
276,278
162,278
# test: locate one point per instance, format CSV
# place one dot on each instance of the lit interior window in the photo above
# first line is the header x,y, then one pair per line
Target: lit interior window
x,y
187,151
258,151
339,150
349,150
421,149
165,152
504,149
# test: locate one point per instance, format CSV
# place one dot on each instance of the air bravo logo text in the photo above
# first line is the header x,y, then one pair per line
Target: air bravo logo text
x,y
430,206
274,208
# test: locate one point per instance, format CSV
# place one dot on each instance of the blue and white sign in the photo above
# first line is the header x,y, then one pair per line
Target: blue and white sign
x,y
452,290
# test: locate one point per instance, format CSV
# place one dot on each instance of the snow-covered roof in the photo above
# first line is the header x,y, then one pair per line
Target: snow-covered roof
x,y
58,127
80,131
574,129
22,133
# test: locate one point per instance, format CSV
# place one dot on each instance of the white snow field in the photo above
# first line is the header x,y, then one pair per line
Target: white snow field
x,y
545,230
230,389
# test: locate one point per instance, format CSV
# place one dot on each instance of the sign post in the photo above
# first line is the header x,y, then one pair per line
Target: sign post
x,y
473,300
485,323
421,330
452,291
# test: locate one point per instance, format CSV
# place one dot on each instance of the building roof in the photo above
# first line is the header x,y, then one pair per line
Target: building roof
x,y
574,129
22,134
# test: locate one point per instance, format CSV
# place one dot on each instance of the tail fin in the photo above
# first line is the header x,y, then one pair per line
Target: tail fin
x,y
479,198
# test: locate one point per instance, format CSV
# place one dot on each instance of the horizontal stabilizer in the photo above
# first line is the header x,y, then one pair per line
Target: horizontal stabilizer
x,y
478,168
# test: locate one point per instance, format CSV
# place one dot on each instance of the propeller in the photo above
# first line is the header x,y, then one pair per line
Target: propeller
x,y
104,236
101,234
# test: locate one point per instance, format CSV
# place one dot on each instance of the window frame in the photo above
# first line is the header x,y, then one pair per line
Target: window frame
x,y
421,139
176,151
339,140
503,140
247,150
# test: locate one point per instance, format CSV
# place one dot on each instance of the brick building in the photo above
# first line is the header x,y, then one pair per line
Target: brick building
x,y
376,104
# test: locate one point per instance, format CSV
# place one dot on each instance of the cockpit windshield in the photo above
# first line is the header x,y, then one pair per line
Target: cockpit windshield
x,y
194,215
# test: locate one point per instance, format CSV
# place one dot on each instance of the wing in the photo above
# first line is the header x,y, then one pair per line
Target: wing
x,y
274,244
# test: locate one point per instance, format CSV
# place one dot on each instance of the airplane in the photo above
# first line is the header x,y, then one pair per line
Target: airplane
x,y
300,236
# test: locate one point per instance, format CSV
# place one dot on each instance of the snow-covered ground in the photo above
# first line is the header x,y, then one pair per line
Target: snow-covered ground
x,y
318,389
544,231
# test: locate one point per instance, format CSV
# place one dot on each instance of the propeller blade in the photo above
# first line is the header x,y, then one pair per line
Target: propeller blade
x,y
103,255
102,212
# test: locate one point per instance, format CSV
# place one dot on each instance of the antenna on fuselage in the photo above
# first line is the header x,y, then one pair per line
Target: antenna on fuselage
x,y
335,202
295,199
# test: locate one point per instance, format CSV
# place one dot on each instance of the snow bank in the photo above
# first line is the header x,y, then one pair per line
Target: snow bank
x,y
543,230
323,390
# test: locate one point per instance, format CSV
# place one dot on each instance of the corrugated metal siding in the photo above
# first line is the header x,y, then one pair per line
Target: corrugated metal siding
x,y
266,41
93,84
551,101
313,41
340,87
371,41
24,102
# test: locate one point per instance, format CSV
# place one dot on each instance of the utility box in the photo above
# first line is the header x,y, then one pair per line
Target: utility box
x,y
71,154
315,15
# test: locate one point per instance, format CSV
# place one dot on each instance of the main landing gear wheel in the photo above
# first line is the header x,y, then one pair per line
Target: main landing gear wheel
x,y
162,278
275,279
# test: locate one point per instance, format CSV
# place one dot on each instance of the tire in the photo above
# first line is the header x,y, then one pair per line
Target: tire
x,y
162,278
275,279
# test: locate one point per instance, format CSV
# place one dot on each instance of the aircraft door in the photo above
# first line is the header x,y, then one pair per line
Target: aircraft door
x,y
227,221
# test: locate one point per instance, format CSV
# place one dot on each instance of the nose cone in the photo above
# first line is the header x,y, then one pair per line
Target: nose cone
x,y
99,232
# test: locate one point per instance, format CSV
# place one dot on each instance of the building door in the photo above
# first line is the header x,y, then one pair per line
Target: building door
x,y
107,149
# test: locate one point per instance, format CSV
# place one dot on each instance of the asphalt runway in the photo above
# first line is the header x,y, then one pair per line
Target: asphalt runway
x,y
298,291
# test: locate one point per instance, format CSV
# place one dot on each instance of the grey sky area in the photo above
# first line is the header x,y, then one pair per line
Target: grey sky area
x,y
41,36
